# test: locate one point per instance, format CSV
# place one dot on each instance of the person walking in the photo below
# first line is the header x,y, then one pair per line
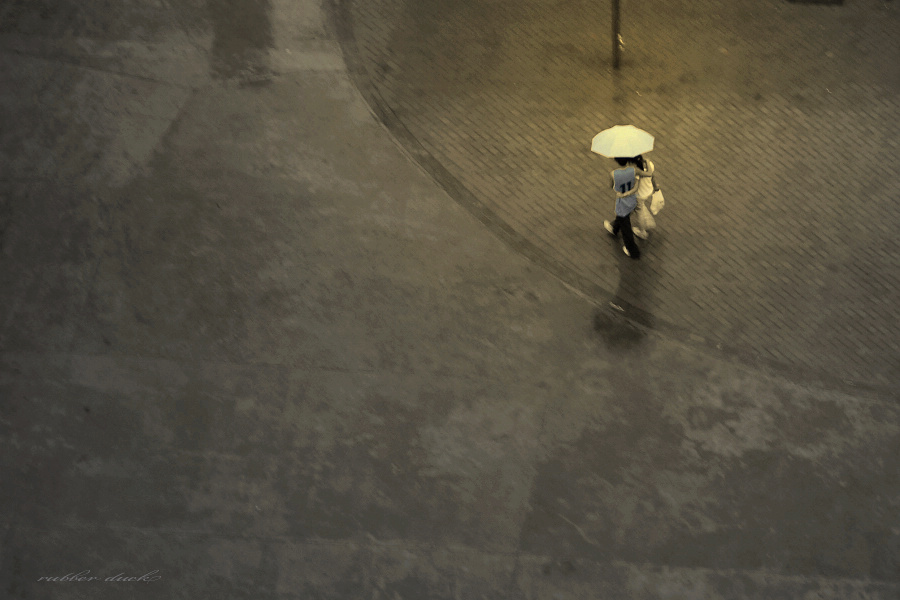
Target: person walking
x,y
642,219
617,142
625,184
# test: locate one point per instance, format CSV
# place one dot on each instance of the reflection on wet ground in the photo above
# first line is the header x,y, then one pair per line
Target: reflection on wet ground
x,y
242,36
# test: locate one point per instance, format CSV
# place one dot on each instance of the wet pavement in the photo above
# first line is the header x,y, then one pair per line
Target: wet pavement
x,y
254,344
768,116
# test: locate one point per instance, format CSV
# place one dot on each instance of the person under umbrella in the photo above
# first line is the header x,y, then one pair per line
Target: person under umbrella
x,y
624,143
624,183
642,220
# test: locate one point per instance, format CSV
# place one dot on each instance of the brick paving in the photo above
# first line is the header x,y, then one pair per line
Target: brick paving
x,y
241,346
777,148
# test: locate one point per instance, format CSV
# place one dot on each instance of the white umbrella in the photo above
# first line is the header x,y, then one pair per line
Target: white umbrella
x,y
622,141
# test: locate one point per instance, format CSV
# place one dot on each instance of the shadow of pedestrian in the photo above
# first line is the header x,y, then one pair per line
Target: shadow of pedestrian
x,y
616,331
242,37
622,324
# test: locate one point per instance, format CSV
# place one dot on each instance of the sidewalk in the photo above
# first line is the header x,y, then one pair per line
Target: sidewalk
x,y
249,347
770,248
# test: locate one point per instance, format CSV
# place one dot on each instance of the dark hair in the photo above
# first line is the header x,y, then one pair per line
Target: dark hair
x,y
638,160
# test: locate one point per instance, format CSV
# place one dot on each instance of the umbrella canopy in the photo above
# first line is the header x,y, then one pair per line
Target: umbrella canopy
x,y
622,141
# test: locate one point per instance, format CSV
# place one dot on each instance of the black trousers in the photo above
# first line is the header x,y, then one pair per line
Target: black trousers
x,y
623,224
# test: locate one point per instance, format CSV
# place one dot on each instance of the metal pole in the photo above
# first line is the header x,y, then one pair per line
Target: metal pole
x,y
616,36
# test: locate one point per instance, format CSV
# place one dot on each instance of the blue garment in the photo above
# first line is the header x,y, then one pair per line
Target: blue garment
x,y
625,180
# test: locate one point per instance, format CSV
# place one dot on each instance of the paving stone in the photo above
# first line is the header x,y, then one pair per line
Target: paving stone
x,y
763,112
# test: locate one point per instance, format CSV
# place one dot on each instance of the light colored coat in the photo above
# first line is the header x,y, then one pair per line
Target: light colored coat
x,y
643,218
645,183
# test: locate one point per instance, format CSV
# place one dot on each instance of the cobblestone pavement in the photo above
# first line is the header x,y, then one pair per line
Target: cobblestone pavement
x,y
250,350
777,148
